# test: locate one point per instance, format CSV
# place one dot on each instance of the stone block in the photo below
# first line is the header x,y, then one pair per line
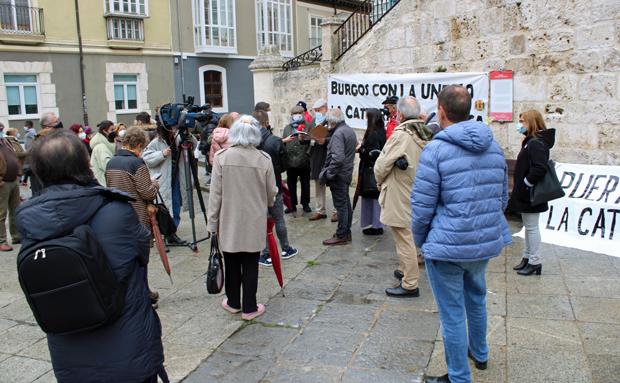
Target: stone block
x,y
528,365
600,338
441,31
609,136
488,25
597,87
561,87
611,60
585,61
17,369
605,368
550,63
444,8
602,310
597,36
512,18
543,334
393,354
539,306
529,88
591,286
517,45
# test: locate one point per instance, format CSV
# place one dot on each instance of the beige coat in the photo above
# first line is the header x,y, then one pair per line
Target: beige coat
x,y
395,184
243,185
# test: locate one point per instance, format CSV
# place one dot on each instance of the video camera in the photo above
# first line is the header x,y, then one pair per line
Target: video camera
x,y
183,116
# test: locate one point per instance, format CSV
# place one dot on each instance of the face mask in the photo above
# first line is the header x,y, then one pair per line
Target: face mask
x,y
521,129
269,115
319,118
297,117
111,136
82,136
121,134
58,125
2,135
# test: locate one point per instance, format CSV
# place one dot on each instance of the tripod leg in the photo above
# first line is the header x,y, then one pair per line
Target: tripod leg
x,y
188,189
201,201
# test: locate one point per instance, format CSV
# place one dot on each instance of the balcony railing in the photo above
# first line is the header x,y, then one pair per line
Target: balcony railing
x,y
20,20
310,57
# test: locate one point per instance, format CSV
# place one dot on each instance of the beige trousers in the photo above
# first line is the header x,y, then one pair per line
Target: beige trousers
x,y
9,201
319,197
407,256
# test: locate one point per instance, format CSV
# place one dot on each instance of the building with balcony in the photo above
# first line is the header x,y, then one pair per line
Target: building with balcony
x,y
215,41
127,50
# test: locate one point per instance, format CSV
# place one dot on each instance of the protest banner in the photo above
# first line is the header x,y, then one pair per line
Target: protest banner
x,y
354,93
586,217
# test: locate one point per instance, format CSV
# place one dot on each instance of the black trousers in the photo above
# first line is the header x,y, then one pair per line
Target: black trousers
x,y
303,175
342,204
241,269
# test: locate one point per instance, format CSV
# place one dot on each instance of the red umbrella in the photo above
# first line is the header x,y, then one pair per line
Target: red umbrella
x,y
274,252
286,196
159,242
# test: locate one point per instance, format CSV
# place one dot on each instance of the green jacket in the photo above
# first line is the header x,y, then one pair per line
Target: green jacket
x,y
298,150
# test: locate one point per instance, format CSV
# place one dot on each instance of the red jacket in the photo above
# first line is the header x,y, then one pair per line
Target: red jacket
x,y
392,123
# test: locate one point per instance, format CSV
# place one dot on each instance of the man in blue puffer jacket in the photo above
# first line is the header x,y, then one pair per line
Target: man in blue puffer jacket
x,y
458,199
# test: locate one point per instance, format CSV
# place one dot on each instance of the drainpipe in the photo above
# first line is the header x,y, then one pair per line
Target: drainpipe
x,y
181,51
79,34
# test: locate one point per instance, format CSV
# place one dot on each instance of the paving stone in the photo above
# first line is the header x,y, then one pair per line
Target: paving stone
x,y
393,353
496,282
39,351
259,340
6,297
199,332
496,330
497,264
589,266
49,377
336,347
600,338
303,374
496,303
543,334
19,337
6,324
359,375
353,318
544,285
603,310
302,289
288,311
605,368
228,368
526,365
496,371
19,311
359,294
17,369
601,287
416,325
181,360
539,306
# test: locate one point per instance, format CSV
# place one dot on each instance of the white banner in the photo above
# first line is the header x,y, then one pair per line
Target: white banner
x,y
587,216
354,93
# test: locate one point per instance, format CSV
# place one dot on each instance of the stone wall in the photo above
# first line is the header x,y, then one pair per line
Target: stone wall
x,y
565,55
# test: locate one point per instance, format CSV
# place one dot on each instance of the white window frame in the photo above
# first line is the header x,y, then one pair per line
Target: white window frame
x,y
200,26
262,26
318,28
136,83
125,21
22,99
108,6
14,24
222,70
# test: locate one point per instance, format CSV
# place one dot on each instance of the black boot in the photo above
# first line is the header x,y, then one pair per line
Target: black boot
x,y
520,266
398,274
437,379
479,365
531,269
175,240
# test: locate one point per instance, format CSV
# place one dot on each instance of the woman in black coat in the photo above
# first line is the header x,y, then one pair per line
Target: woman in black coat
x,y
369,150
129,349
530,169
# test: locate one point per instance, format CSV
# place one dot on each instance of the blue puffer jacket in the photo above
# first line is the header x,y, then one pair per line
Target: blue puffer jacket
x,y
129,350
459,195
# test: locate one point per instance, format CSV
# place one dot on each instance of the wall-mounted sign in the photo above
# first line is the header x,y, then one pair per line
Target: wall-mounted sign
x,y
501,95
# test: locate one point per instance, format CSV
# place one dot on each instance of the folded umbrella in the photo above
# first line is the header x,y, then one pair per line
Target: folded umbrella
x,y
286,196
159,243
274,253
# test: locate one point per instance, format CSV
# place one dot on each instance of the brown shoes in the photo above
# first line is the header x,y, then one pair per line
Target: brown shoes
x,y
5,247
335,240
317,216
334,217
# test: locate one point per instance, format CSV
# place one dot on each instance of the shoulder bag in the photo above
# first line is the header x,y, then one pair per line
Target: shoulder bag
x,y
215,271
547,189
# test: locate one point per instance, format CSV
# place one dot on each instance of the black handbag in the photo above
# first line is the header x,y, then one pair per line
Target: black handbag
x,y
215,272
164,220
548,189
369,184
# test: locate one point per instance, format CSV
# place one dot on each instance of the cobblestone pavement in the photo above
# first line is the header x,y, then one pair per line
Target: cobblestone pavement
x,y
336,325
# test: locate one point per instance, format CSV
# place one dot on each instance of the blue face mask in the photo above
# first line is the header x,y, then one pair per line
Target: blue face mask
x,y
521,129
319,118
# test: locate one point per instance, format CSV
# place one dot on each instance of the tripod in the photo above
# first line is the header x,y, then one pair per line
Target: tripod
x,y
190,165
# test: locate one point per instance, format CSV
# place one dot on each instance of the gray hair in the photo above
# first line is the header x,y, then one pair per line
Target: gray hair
x,y
245,132
47,118
334,116
408,106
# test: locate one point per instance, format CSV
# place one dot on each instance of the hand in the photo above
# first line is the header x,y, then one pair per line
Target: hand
x,y
321,141
151,210
288,139
155,183
359,145
402,163
166,152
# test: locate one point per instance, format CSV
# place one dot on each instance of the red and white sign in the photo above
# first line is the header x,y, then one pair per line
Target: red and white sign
x,y
501,90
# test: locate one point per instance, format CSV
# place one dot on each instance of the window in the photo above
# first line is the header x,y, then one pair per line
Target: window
x,y
125,29
215,25
274,24
21,92
213,87
15,16
126,93
315,31
128,7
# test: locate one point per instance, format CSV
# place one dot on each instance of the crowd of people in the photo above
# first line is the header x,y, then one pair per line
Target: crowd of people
x,y
442,192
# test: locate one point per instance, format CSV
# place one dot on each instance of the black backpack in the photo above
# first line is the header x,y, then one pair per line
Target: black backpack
x,y
69,283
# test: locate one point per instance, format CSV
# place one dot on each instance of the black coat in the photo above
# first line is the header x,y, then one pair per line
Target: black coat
x,y
129,350
531,164
273,146
369,152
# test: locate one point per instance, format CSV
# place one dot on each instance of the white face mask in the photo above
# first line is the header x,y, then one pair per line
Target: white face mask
x,y
297,117
121,133
269,115
82,136
2,134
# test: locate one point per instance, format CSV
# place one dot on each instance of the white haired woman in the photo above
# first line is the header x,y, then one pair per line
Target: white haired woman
x,y
243,186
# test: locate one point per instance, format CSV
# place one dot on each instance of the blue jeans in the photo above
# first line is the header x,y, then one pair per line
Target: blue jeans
x,y
460,293
176,201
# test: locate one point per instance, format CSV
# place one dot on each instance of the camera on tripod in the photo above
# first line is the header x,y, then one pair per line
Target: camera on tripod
x,y
184,116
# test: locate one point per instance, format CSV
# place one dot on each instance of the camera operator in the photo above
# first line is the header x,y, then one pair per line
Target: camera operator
x,y
205,127
394,171
389,109
163,158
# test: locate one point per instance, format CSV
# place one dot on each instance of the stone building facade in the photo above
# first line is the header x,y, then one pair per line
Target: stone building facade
x,y
565,55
